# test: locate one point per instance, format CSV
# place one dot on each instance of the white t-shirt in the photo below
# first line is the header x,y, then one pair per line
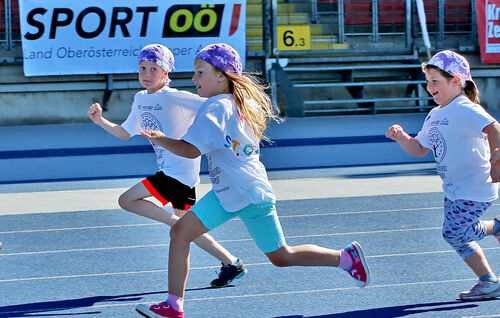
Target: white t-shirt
x,y
237,175
171,111
461,150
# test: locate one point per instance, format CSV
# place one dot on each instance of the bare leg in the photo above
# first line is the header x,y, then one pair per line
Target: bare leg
x,y
134,200
182,234
304,255
489,227
210,245
478,263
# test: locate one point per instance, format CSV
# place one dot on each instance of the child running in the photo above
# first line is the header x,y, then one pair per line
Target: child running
x,y
461,135
227,129
172,112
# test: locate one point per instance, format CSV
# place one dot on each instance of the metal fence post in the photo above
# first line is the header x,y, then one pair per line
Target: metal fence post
x,y
274,51
375,20
441,20
409,35
8,25
474,18
341,21
314,10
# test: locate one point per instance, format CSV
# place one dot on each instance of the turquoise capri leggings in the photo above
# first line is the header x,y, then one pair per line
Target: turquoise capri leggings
x,y
261,220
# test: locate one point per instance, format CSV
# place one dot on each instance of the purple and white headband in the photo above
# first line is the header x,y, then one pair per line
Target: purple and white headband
x,y
223,56
160,55
454,64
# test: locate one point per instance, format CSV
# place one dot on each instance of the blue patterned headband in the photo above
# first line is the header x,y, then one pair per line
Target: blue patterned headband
x,y
454,64
160,55
223,56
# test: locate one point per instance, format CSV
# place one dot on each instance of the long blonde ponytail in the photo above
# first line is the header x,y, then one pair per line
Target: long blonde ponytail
x,y
253,102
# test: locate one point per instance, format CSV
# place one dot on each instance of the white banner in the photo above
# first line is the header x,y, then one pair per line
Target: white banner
x,y
63,37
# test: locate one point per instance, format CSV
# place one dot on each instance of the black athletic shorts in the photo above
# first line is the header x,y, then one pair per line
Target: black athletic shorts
x,y
167,189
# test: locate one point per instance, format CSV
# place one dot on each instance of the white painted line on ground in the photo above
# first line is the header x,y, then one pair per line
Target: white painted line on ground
x,y
283,293
359,212
206,267
226,241
82,228
236,219
289,189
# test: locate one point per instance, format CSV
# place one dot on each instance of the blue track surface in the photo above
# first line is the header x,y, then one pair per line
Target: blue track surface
x,y
102,263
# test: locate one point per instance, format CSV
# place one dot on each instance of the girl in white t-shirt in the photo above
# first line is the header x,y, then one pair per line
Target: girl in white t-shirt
x,y
228,129
461,135
172,112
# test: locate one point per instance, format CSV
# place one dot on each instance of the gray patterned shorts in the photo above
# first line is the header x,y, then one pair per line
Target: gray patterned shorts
x,y
462,226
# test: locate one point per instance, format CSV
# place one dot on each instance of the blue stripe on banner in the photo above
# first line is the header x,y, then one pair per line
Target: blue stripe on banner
x,y
91,151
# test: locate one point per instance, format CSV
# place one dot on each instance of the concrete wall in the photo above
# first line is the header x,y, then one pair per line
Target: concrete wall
x,y
66,99
85,151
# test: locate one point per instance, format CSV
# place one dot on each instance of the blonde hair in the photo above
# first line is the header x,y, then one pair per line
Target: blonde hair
x,y
469,89
248,88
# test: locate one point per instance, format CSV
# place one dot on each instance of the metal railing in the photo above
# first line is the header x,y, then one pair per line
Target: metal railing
x,y
9,24
378,18
365,26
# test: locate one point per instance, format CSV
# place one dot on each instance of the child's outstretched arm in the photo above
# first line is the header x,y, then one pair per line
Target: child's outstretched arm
x,y
179,147
493,132
407,142
95,113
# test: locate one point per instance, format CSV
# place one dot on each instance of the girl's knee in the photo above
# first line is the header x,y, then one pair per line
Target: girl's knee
x,y
279,262
176,231
179,212
181,232
123,201
280,258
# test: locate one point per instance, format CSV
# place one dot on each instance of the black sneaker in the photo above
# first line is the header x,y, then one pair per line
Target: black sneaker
x,y
228,273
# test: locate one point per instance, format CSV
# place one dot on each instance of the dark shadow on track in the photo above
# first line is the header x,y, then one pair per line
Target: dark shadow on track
x,y
396,311
38,309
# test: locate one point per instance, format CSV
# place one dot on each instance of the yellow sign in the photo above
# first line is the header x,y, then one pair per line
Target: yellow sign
x,y
294,37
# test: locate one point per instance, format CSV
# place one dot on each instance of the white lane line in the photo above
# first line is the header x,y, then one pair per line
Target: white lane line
x,y
87,249
424,253
367,232
208,267
223,241
283,293
82,228
296,189
236,219
359,212
111,274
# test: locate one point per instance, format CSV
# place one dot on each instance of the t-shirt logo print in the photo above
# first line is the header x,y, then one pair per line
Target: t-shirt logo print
x,y
438,144
150,122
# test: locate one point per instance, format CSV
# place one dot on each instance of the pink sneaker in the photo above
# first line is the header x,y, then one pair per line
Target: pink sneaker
x,y
359,269
161,310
